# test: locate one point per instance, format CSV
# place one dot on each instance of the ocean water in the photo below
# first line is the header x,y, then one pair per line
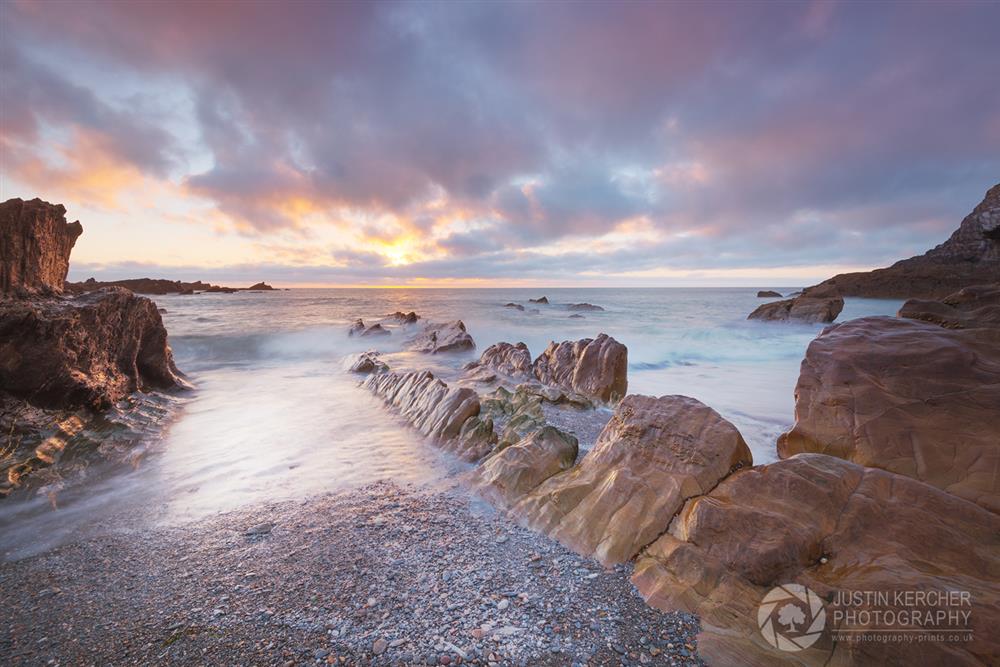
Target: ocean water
x,y
274,415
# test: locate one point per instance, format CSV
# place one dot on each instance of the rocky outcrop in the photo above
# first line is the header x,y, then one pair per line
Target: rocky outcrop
x,y
512,361
369,362
400,317
446,337
260,287
595,368
907,396
971,256
543,300
814,305
832,526
35,243
90,351
517,469
969,308
654,454
449,416
375,330
153,286
768,294
585,307
515,306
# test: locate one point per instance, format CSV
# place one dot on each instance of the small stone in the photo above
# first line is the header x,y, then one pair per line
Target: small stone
x,y
503,604
379,647
444,659
260,529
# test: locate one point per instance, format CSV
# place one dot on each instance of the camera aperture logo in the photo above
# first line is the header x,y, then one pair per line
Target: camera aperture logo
x,y
791,617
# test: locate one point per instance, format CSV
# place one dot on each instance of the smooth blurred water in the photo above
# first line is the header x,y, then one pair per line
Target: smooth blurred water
x,y
274,414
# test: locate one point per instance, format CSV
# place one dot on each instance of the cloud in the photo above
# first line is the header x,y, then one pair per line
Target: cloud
x,y
462,140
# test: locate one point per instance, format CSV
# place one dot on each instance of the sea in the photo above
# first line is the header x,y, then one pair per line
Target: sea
x,y
273,413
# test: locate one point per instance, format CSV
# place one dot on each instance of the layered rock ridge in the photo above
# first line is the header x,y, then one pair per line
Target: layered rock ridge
x,y
35,244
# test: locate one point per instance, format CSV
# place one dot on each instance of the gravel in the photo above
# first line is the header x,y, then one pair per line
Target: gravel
x,y
381,575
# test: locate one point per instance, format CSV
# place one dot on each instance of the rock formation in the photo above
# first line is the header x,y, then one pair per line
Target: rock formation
x,y
150,286
908,396
438,338
584,306
90,351
513,361
400,317
35,243
971,256
595,368
260,287
375,330
830,525
368,362
768,294
969,308
814,305
515,470
654,454
543,300
447,415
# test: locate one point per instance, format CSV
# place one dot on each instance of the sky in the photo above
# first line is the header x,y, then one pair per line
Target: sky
x,y
495,144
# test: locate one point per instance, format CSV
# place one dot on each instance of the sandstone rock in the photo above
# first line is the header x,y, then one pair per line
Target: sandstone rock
x,y
584,306
513,361
515,306
35,243
90,351
368,362
357,328
830,525
595,368
971,256
510,473
543,299
969,308
260,287
907,396
433,408
767,294
654,454
813,307
438,338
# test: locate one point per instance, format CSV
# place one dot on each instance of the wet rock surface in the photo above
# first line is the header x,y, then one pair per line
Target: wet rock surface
x,y
35,245
830,525
908,396
815,305
438,338
378,576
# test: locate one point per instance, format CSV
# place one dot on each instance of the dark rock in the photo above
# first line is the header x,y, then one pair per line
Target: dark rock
x,y
543,300
35,244
577,316
815,305
357,328
969,308
584,307
768,294
375,330
515,306
260,287
368,362
447,337
400,317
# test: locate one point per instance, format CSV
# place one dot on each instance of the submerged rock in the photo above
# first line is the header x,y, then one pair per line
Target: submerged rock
x,y
399,317
584,307
832,526
768,294
375,330
595,368
357,328
446,337
908,396
543,300
652,456
515,306
35,244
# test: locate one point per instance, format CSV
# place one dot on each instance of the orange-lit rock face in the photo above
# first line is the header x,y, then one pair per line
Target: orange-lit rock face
x,y
830,525
595,368
35,243
907,396
654,454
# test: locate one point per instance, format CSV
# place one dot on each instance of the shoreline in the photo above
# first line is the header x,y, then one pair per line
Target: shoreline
x,y
380,575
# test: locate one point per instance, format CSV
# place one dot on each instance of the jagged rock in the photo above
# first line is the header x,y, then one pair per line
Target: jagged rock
x,y
357,328
971,256
513,361
833,526
907,396
595,368
817,304
368,362
447,337
400,317
654,454
436,410
969,308
584,306
35,243
515,306
768,294
260,287
90,351
216,289
515,470
543,300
